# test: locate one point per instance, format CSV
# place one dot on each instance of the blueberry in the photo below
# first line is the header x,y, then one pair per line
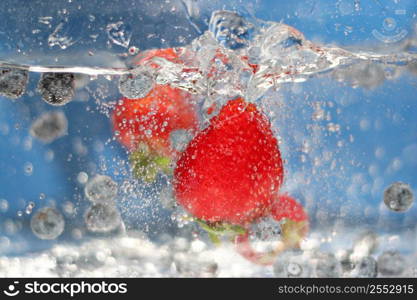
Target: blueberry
x,y
13,82
57,88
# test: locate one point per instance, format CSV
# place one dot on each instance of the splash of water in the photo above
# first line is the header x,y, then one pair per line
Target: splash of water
x,y
238,58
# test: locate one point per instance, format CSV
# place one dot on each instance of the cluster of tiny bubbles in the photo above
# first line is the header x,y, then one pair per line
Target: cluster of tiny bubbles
x,y
265,234
167,198
13,82
292,263
49,126
101,189
179,139
181,217
102,217
135,85
47,223
398,197
326,265
391,263
57,88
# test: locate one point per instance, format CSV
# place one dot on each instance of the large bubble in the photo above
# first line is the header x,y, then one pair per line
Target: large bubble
x,y
49,126
102,218
101,189
47,223
398,197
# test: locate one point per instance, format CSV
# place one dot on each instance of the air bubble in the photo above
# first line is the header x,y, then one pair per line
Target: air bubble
x,y
82,178
101,189
291,264
29,208
47,223
28,168
4,205
134,86
398,197
102,218
49,126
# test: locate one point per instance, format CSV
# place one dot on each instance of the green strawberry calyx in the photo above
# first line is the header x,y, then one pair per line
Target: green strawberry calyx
x,y
147,164
216,230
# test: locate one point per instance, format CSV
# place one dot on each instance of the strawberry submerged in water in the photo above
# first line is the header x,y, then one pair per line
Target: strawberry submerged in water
x,y
294,228
145,125
229,177
230,171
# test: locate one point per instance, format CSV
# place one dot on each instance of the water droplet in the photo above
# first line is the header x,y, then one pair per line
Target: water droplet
x,y
29,208
60,36
119,33
28,168
133,50
230,29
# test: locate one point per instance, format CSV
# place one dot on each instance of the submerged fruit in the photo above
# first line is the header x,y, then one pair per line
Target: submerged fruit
x,y
145,125
294,227
230,171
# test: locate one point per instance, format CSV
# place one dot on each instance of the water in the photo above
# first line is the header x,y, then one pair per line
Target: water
x,y
343,113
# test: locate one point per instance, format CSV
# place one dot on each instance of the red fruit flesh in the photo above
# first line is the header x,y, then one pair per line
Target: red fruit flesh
x,y
152,119
230,171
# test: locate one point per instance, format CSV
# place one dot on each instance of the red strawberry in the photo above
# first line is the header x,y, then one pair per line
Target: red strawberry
x,y
144,125
152,119
230,171
294,228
